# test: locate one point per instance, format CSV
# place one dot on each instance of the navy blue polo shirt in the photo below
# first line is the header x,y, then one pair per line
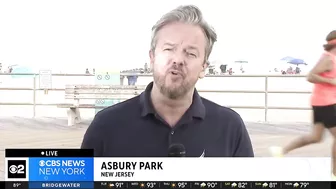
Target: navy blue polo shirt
x,y
133,129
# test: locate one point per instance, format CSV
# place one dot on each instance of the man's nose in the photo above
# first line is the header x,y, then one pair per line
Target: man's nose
x,y
178,59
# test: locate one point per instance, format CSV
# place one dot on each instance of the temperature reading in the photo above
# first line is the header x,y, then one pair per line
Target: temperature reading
x,y
151,184
272,184
212,184
242,185
119,184
15,185
181,184
303,184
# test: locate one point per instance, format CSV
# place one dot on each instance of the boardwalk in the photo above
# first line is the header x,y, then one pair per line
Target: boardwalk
x,y
18,132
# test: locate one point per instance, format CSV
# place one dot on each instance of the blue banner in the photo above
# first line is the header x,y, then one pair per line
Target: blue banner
x,y
63,185
61,169
22,70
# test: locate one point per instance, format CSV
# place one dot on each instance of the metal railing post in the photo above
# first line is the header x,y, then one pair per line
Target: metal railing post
x,y
122,80
266,98
34,97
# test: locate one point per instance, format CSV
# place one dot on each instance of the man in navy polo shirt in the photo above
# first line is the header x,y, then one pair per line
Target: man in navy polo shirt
x,y
170,110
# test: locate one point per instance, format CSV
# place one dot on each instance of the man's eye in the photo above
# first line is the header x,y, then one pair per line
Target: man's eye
x,y
191,54
168,49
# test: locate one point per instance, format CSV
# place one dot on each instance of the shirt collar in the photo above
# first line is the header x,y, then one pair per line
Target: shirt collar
x,y
197,108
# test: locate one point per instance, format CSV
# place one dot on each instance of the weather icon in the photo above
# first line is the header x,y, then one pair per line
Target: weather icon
x,y
296,185
264,185
234,185
203,185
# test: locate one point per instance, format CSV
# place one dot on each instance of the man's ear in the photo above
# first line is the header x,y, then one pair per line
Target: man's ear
x,y
202,73
151,59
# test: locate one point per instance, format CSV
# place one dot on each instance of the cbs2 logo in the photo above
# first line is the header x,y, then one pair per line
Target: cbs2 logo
x,y
17,169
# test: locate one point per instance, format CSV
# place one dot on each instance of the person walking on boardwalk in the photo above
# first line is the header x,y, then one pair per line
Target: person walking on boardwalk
x,y
323,102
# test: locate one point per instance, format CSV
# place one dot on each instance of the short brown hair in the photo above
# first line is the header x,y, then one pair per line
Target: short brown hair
x,y
331,36
187,14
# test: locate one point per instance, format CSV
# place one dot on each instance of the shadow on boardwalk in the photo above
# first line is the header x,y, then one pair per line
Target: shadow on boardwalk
x,y
17,132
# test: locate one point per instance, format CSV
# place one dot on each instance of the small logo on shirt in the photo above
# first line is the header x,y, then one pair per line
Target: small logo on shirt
x,y
203,154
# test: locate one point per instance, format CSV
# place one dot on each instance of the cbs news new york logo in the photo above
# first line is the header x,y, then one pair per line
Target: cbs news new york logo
x,y
16,168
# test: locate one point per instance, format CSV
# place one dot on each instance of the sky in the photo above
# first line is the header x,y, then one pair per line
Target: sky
x,y
77,34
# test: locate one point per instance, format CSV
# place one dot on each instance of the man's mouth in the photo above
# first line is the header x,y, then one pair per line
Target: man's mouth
x,y
175,72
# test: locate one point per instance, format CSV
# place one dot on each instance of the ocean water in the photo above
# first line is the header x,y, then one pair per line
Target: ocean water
x,y
227,98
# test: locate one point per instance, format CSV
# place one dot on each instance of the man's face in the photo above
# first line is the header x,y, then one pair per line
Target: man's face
x,y
178,60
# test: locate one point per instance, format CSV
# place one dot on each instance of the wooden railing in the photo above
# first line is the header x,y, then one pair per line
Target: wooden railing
x,y
34,88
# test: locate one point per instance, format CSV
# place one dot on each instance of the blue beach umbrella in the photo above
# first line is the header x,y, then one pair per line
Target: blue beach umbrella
x,y
297,62
287,58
